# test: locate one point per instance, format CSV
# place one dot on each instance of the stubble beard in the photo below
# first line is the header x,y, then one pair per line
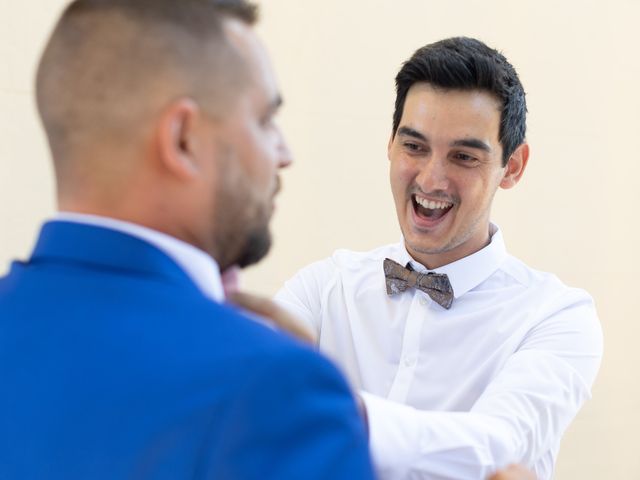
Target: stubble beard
x,y
459,239
242,234
256,247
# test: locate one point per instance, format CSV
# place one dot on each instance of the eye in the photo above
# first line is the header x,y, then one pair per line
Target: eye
x,y
413,147
464,157
267,121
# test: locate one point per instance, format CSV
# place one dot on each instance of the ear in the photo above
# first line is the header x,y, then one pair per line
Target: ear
x,y
515,167
176,138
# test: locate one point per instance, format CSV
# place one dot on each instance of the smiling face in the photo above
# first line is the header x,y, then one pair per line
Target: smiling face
x,y
446,165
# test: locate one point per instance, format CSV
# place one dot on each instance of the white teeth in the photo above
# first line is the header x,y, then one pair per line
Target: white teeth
x,y
431,205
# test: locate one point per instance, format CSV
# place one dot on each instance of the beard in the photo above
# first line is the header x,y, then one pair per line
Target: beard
x,y
256,246
242,233
241,221
241,243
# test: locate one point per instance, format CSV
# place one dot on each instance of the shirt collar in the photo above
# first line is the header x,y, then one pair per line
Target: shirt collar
x,y
200,267
468,272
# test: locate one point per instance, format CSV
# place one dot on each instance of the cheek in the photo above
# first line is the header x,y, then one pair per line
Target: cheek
x,y
476,191
258,159
401,174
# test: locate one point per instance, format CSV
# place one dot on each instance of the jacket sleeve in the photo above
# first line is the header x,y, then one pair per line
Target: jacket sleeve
x,y
294,418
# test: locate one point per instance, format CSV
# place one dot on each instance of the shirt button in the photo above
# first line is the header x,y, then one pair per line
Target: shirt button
x,y
424,301
409,361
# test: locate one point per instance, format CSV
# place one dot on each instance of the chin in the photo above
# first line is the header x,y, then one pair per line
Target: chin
x,y
257,246
429,242
427,248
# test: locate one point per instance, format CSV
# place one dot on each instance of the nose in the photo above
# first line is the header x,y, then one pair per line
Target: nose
x,y
285,158
433,175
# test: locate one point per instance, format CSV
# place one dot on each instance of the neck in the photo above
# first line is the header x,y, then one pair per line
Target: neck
x,y
158,219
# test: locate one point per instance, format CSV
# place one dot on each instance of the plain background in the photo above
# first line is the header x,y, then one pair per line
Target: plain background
x,y
573,213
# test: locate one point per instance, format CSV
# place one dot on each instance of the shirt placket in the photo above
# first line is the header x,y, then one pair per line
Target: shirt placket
x,y
408,359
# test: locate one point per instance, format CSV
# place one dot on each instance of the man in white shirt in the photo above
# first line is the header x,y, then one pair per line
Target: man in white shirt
x,y
466,358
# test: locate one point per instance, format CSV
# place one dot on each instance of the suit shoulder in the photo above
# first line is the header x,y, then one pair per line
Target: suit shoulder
x,y
294,400
228,321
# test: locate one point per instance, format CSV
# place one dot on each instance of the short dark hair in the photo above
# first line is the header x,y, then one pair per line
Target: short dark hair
x,y
462,63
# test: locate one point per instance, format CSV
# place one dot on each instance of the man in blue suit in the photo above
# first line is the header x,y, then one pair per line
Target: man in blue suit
x,y
119,358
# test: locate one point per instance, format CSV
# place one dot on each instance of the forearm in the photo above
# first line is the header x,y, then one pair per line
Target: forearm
x,y
409,443
519,418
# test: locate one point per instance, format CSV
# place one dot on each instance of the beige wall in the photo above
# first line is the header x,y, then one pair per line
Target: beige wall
x,y
573,214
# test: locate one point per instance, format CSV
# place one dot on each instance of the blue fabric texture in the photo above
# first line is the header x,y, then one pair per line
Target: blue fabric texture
x,y
114,366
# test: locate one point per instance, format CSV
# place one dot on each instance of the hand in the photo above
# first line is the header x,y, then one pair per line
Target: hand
x,y
362,410
271,311
513,472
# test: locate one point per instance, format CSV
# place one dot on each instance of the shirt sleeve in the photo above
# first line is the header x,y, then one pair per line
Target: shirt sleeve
x,y
521,414
302,294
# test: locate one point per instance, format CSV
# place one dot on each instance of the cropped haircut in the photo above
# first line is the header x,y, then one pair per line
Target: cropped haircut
x,y
109,64
200,16
463,63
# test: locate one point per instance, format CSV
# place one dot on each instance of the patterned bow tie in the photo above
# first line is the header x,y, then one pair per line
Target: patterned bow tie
x,y
436,285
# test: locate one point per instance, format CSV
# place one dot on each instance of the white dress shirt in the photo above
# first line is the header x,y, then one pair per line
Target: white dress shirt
x,y
198,265
455,394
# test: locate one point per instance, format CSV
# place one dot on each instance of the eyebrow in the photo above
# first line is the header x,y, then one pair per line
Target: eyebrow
x,y
410,132
464,142
472,143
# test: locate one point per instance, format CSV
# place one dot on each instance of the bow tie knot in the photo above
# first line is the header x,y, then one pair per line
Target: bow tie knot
x,y
436,285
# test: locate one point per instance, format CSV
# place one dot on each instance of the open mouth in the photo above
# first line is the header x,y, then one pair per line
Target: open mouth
x,y
430,210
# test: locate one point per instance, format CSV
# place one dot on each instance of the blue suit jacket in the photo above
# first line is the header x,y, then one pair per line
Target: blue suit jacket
x,y
113,365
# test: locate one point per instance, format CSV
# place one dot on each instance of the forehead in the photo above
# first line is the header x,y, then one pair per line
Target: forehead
x,y
262,79
451,113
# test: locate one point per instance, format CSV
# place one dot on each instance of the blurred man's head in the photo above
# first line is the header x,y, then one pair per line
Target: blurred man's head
x,y
161,113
